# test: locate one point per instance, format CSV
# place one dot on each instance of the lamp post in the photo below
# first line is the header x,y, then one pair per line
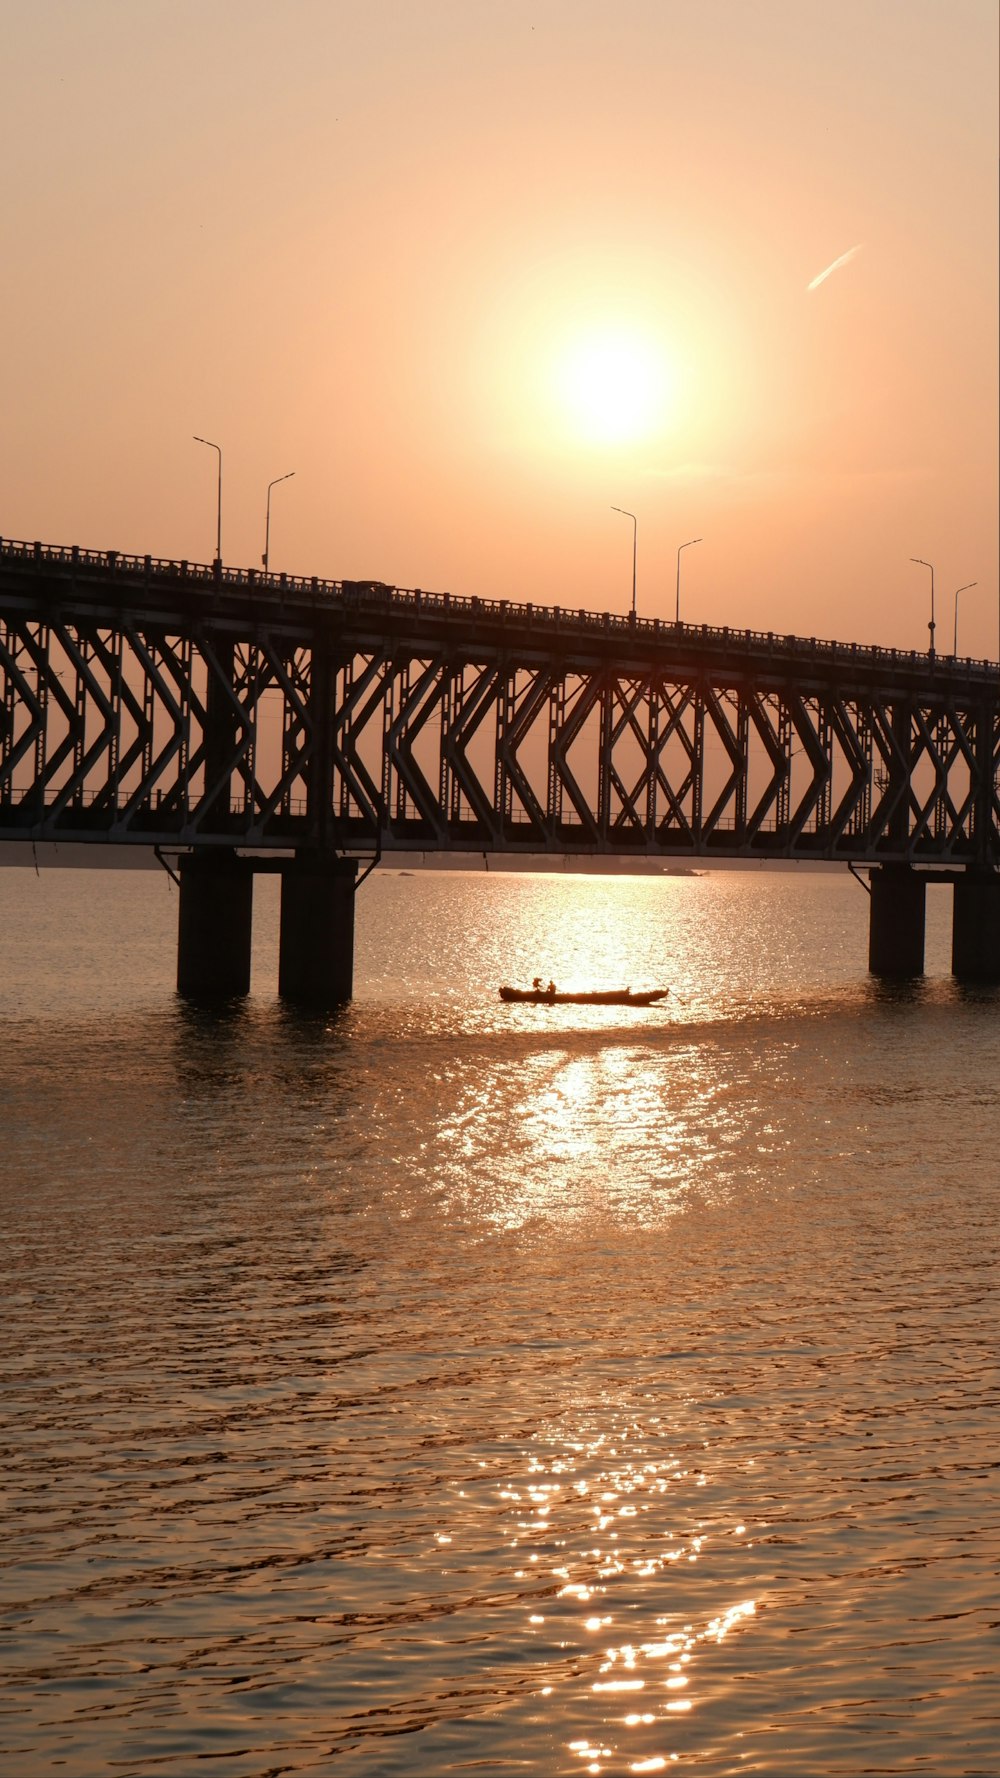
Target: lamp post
x,y
931,626
961,589
267,521
687,545
218,521
635,540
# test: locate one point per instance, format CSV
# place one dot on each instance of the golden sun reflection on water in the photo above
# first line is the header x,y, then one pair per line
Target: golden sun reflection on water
x,y
622,1112
606,1122
594,1524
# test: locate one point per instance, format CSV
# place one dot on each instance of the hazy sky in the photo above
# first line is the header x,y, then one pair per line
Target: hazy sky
x,y
478,270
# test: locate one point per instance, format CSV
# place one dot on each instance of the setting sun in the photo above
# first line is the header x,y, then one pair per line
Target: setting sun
x,y
613,386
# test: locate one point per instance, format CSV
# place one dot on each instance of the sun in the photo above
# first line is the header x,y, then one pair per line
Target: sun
x,y
612,385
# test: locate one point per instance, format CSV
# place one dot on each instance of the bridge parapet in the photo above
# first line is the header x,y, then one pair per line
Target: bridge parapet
x,y
68,572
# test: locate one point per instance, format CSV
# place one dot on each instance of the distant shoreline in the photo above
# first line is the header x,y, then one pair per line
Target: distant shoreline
x,y
51,855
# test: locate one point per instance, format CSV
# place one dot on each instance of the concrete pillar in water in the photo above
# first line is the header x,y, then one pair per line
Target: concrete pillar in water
x,y
214,926
896,921
316,956
975,931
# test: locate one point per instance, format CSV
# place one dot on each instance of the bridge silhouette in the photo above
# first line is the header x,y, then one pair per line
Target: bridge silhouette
x,y
253,722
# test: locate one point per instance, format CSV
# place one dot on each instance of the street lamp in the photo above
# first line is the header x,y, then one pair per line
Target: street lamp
x,y
635,539
691,540
961,589
218,522
267,522
931,626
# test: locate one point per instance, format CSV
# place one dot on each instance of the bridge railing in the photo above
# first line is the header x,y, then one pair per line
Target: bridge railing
x,y
564,620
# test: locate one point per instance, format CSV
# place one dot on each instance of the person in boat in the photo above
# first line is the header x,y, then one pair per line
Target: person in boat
x,y
551,989
536,986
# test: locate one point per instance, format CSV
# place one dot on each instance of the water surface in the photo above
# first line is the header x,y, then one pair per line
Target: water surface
x,y
446,1386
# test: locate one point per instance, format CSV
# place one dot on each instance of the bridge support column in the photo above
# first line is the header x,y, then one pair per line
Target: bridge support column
x,y
975,931
896,921
214,926
316,954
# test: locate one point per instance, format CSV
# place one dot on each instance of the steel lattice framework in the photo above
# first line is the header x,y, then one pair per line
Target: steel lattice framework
x,y
154,702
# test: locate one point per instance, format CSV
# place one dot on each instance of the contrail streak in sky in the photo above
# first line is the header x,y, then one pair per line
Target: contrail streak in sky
x,y
851,251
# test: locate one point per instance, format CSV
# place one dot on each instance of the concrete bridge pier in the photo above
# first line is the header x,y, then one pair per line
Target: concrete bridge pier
x,y
896,921
214,925
316,943
975,931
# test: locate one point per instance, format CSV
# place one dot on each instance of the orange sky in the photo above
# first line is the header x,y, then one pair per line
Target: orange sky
x,y
477,272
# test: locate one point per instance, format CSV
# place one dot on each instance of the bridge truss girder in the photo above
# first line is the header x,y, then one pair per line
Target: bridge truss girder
x,y
269,736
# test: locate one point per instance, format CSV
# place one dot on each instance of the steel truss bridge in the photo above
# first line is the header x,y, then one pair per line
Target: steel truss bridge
x,y
154,702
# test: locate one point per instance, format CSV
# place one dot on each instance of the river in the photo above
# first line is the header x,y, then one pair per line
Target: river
x,y
450,1387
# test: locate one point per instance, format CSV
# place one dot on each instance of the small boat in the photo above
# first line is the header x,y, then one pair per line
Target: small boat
x,y
553,996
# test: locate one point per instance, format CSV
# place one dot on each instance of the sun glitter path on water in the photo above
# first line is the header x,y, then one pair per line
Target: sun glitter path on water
x,y
605,1527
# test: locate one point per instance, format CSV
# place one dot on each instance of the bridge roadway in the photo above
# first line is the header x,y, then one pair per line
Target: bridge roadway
x,y
257,721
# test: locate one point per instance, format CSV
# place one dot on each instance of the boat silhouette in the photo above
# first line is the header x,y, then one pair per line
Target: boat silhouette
x,y
553,996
